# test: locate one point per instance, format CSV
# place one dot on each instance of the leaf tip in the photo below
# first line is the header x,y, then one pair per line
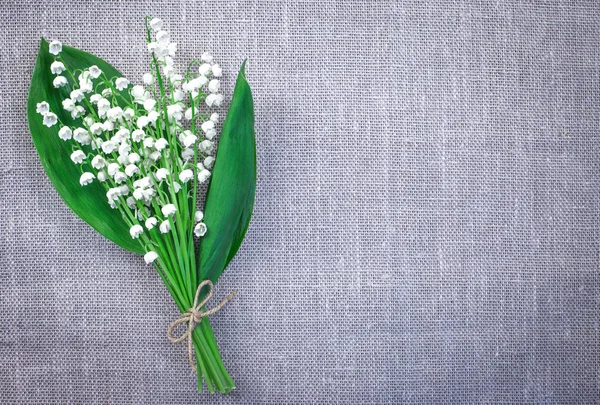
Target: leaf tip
x,y
243,68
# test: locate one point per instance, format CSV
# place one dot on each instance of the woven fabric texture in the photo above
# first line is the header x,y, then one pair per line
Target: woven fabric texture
x,y
426,221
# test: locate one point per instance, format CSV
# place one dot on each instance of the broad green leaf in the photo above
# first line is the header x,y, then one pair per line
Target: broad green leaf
x,y
88,202
230,197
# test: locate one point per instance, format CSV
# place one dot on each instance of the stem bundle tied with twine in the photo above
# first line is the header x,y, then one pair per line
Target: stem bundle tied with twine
x,y
129,160
193,316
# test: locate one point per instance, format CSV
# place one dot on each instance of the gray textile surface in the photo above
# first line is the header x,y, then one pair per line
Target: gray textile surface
x,y
426,223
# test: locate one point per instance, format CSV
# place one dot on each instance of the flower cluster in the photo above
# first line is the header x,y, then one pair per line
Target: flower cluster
x,y
148,145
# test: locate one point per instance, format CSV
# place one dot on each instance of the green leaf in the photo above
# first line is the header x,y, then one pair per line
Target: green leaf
x,y
88,202
230,197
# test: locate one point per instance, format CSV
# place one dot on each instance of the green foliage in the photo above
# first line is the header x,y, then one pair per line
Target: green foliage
x,y
88,203
230,197
228,206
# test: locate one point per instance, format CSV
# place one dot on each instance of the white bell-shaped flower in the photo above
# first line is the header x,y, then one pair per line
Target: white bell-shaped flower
x,y
160,144
207,125
108,147
200,229
163,37
65,133
128,113
131,169
113,168
149,104
42,108
98,162
189,140
108,126
161,174
50,119
78,156
186,175
204,69
137,135
77,112
95,71
214,85
82,136
134,158
142,122
214,100
164,227
55,47
151,223
135,231
115,113
156,24
187,154
120,177
57,67
77,95
209,162
86,178
121,83
206,57
59,81
153,116
203,176
150,257
96,129
168,209
216,70
175,111
207,147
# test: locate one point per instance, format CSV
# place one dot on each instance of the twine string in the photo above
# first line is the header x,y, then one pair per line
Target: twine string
x,y
193,316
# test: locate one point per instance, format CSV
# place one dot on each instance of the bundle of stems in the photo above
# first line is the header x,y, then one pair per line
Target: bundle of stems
x,y
130,161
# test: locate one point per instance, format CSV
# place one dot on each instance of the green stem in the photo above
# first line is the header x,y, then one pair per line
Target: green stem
x,y
205,344
212,342
202,373
181,270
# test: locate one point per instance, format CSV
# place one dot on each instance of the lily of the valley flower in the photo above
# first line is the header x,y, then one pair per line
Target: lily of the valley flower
x,y
135,231
121,83
164,227
186,175
65,133
55,47
134,140
151,223
200,229
42,108
57,67
150,257
59,81
86,178
203,175
168,209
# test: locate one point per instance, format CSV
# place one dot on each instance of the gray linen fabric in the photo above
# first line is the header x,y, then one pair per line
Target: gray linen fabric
x,y
426,222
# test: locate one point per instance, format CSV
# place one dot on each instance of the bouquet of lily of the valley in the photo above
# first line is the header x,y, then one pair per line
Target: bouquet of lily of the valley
x,y
131,160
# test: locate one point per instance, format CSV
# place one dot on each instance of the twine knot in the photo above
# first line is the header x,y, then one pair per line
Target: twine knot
x,y
193,316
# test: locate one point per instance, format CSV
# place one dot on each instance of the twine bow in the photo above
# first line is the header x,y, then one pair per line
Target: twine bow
x,y
193,316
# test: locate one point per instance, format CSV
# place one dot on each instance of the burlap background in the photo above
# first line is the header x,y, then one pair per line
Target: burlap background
x,y
426,223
